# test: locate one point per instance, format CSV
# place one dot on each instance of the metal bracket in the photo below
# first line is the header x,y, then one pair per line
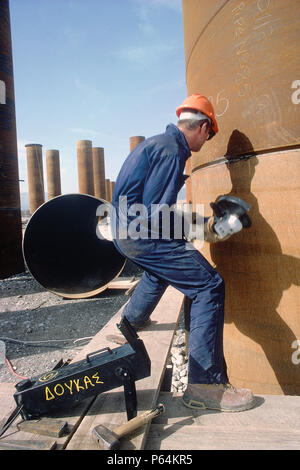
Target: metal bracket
x,y
129,392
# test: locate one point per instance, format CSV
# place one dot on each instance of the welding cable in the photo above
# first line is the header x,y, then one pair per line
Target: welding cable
x,y
36,344
40,343
82,339
12,369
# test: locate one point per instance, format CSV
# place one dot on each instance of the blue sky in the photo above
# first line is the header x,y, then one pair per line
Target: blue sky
x,y
102,70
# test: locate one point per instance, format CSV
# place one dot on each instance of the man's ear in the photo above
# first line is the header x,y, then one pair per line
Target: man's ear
x,y
204,127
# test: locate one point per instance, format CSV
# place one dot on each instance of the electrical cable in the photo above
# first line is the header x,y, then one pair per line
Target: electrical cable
x,y
12,369
42,342
38,343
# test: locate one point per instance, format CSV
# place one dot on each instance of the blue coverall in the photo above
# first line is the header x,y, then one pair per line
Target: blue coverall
x,y
153,173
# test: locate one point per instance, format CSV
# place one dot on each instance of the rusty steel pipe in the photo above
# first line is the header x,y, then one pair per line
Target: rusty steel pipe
x,y
85,167
99,172
244,56
135,140
112,187
11,260
250,38
108,189
63,252
53,173
35,176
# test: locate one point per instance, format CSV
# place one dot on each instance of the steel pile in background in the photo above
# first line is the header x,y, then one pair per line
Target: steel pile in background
x,y
85,167
107,189
99,172
135,140
53,173
35,176
11,260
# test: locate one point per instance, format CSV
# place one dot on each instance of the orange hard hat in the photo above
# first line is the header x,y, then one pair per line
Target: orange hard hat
x,y
202,104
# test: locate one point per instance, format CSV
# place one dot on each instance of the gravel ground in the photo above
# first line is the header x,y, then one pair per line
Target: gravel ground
x,y
29,315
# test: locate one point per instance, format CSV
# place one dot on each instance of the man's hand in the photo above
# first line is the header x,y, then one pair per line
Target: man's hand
x,y
210,236
219,232
230,216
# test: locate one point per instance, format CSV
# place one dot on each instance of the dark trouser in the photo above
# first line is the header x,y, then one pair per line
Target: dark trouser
x,y
176,263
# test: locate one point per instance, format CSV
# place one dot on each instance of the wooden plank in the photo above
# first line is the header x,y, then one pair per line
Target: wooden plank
x,y
109,407
73,416
132,287
178,437
273,424
27,445
124,283
7,402
270,411
120,283
44,427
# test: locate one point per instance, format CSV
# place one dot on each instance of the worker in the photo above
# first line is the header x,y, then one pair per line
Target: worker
x,y
151,176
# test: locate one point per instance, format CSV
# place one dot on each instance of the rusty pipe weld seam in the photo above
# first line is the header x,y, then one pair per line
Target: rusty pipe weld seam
x,y
228,161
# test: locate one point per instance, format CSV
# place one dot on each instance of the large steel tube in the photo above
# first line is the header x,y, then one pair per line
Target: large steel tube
x,y
85,167
11,260
99,172
112,187
35,176
244,55
108,189
53,173
249,72
63,251
135,140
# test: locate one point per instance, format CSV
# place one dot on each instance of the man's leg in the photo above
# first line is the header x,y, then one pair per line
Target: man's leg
x,y
172,263
144,299
188,271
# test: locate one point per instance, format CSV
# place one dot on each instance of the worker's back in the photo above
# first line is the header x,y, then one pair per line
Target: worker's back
x,y
153,171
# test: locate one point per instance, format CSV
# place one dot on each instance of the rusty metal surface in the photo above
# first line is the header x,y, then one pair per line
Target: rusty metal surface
x,y
261,269
35,175
112,187
11,261
99,172
244,56
85,167
53,173
108,189
135,140
196,16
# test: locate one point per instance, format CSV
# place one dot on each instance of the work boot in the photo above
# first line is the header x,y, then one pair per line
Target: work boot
x,y
222,397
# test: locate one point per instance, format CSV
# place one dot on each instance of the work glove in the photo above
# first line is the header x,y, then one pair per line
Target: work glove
x,y
210,236
205,228
230,216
